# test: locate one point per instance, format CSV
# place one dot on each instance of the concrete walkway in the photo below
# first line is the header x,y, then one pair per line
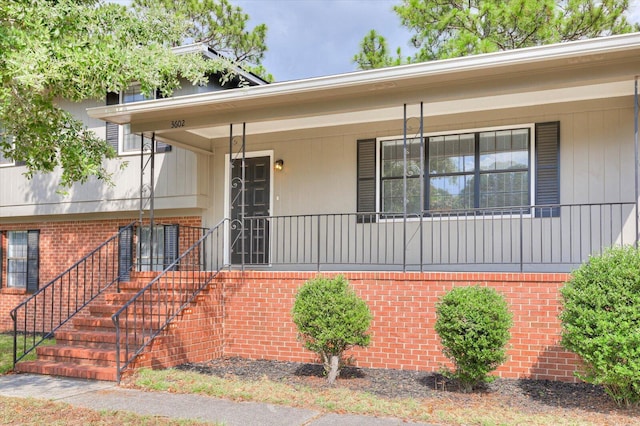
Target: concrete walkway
x,y
108,396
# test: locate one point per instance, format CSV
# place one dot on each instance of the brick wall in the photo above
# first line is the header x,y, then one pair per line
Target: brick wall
x,y
196,335
258,322
62,243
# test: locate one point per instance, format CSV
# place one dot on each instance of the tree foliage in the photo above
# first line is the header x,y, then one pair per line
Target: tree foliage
x,y
76,50
331,318
219,24
451,28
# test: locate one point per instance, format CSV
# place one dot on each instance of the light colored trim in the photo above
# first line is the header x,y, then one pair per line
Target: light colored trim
x,y
227,197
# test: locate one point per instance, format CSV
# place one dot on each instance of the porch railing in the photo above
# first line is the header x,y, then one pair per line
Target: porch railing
x,y
553,238
53,305
147,313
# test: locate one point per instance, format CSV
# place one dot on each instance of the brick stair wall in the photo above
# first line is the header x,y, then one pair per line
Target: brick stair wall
x,y
85,347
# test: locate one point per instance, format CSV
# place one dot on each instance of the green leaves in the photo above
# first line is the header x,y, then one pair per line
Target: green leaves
x,y
601,321
74,51
330,317
452,28
473,324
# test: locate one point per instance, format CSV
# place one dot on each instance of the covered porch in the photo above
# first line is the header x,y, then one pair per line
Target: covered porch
x,y
359,184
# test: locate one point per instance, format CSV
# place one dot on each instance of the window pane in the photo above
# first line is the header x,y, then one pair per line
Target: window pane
x,y
510,189
17,259
393,158
451,154
144,257
451,192
134,94
393,195
504,150
9,140
131,142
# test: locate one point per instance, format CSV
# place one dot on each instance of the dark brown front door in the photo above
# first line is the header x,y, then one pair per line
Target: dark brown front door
x,y
252,243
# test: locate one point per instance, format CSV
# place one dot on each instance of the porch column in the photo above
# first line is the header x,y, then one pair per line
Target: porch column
x,y
635,163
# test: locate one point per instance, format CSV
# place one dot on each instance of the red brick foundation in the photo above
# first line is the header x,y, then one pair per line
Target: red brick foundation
x,y
258,322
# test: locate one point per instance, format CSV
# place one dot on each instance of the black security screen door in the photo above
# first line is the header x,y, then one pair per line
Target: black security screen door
x,y
256,231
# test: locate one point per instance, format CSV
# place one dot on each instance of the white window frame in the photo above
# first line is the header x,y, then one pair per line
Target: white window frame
x,y
10,277
4,161
122,128
532,165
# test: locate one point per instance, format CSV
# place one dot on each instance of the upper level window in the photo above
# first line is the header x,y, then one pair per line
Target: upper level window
x,y
470,170
129,142
120,136
4,161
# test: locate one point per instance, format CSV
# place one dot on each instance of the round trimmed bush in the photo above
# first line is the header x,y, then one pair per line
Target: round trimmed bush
x,y
601,322
473,324
331,318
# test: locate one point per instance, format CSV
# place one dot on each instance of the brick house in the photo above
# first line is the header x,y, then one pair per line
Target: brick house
x,y
506,170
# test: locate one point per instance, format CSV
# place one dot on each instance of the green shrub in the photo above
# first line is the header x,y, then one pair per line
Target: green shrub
x,y
601,322
473,324
331,318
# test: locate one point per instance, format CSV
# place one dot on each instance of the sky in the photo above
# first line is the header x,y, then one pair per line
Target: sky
x,y
312,38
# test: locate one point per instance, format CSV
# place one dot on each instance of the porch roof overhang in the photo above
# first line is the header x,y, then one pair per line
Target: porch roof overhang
x,y
591,69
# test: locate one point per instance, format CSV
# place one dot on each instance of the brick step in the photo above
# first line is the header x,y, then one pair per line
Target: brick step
x,y
106,310
119,299
92,339
67,369
106,324
78,355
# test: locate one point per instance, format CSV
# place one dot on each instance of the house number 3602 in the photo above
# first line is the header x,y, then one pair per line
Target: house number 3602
x,y
177,123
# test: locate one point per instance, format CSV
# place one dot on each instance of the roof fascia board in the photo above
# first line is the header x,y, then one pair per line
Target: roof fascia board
x,y
579,53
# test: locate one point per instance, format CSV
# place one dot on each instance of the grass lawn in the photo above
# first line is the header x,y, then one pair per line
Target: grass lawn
x,y
476,409
20,411
6,352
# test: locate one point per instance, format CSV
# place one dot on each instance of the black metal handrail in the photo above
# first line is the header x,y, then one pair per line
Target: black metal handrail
x,y
553,238
53,305
152,308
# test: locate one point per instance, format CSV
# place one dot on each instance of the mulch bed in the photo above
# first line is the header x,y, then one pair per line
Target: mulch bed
x,y
527,395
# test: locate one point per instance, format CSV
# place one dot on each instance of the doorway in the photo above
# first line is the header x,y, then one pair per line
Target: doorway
x,y
251,241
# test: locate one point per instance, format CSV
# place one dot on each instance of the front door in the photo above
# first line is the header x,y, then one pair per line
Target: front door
x,y
250,244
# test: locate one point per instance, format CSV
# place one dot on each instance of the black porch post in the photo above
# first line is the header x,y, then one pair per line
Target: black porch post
x,y
635,163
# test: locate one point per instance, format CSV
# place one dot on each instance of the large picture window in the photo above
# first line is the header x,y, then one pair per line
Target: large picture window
x,y
488,168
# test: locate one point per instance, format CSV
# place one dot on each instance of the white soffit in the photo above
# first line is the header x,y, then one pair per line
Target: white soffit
x,y
431,109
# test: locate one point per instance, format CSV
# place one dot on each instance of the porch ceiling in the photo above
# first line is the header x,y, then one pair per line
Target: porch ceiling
x,y
592,69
